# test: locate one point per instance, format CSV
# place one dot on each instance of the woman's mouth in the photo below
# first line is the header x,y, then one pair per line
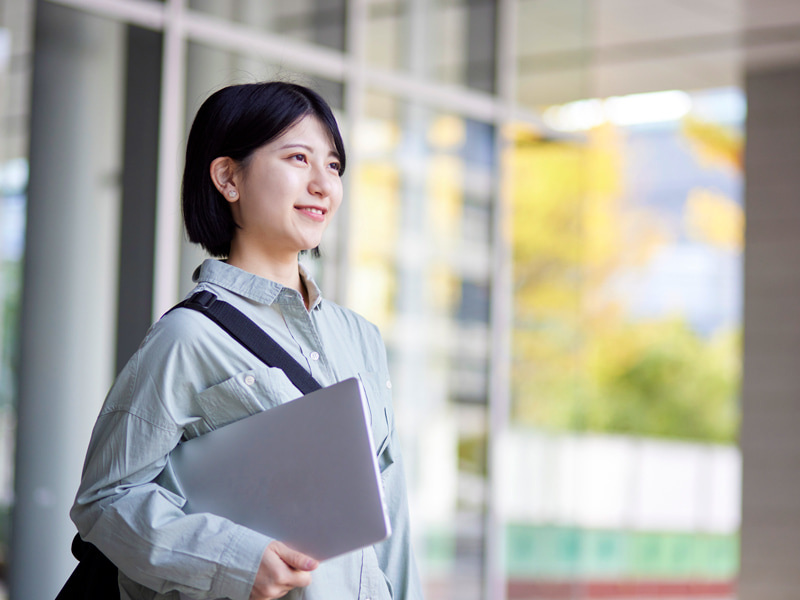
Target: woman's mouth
x,y
312,212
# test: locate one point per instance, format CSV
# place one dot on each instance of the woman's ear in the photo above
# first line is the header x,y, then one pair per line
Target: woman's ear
x,y
223,170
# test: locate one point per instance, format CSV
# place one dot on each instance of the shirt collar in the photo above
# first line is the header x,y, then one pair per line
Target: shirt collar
x,y
252,286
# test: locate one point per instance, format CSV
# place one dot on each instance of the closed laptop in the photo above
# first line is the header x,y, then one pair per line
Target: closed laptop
x,y
303,472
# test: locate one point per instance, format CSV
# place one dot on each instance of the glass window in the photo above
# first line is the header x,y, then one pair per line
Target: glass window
x,y
420,234
320,22
448,41
622,464
620,474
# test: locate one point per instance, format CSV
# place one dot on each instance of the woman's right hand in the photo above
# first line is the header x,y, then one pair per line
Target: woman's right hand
x,y
281,570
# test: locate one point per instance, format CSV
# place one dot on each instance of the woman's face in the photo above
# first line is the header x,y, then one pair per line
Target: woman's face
x,y
287,193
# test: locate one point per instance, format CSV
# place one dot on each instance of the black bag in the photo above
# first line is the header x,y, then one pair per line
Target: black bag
x,y
95,577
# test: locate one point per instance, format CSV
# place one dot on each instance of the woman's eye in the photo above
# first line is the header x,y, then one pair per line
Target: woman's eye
x,y
336,167
299,157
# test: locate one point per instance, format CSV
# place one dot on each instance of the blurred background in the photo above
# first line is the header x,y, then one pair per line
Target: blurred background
x,y
545,215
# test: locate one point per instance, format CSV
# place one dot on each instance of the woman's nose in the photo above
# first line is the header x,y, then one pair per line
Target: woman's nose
x,y
320,183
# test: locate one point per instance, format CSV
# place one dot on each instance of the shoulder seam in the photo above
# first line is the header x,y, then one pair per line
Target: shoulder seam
x,y
113,411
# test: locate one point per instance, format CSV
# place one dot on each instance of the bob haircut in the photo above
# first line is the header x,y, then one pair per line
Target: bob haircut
x,y
235,122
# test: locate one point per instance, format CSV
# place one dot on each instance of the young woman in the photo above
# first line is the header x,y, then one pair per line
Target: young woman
x,y
261,184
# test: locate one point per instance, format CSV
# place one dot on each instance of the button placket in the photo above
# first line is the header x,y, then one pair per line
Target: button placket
x,y
304,332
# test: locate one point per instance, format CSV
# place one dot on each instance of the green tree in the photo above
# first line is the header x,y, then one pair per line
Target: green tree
x,y
578,362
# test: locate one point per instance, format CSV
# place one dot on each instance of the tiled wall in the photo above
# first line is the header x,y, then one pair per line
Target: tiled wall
x,y
770,436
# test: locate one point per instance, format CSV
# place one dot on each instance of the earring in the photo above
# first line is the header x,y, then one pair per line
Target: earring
x,y
232,193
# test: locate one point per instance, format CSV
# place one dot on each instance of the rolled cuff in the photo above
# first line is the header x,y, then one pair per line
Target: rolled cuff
x,y
239,564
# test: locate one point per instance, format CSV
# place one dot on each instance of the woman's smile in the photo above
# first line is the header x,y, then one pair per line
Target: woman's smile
x,y
317,214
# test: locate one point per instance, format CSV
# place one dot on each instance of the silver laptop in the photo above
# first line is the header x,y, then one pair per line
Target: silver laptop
x,y
303,472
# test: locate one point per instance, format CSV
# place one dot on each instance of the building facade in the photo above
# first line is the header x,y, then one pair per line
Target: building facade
x,y
544,214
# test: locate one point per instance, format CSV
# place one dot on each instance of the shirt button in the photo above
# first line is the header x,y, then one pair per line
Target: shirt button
x,y
315,356
388,384
249,380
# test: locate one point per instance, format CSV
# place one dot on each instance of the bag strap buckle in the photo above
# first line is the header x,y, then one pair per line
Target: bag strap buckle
x,y
200,301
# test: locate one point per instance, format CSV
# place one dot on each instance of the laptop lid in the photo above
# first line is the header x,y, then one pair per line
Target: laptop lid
x,y
303,472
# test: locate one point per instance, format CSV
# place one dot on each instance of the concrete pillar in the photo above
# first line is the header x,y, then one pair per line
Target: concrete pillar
x,y
67,350
770,437
139,190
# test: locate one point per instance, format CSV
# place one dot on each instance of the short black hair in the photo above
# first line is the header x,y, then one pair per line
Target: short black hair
x,y
235,122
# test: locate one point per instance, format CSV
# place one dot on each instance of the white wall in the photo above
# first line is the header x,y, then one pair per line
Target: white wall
x,y
618,482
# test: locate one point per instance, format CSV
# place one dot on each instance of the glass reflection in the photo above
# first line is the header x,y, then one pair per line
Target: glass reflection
x,y
314,21
420,234
622,472
449,41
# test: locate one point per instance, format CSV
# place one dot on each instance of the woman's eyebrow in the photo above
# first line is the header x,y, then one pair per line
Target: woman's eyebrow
x,y
296,145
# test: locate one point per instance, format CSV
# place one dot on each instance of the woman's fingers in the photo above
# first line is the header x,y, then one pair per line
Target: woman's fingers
x,y
293,558
282,569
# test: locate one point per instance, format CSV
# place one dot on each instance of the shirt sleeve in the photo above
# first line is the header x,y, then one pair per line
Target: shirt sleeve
x,y
395,554
129,503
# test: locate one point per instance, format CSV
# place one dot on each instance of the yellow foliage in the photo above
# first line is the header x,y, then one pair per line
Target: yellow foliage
x,y
444,287
445,194
577,364
714,144
447,132
605,162
375,209
713,218
568,223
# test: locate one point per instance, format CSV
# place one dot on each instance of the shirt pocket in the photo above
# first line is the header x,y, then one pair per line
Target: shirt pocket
x,y
240,396
379,403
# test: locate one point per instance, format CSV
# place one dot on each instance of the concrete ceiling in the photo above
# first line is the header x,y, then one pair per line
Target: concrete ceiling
x,y
597,48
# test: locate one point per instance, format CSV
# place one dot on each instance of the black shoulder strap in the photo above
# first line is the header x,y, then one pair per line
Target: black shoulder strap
x,y
252,337
96,576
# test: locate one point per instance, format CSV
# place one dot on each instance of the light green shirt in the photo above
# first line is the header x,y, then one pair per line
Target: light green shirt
x,y
189,377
